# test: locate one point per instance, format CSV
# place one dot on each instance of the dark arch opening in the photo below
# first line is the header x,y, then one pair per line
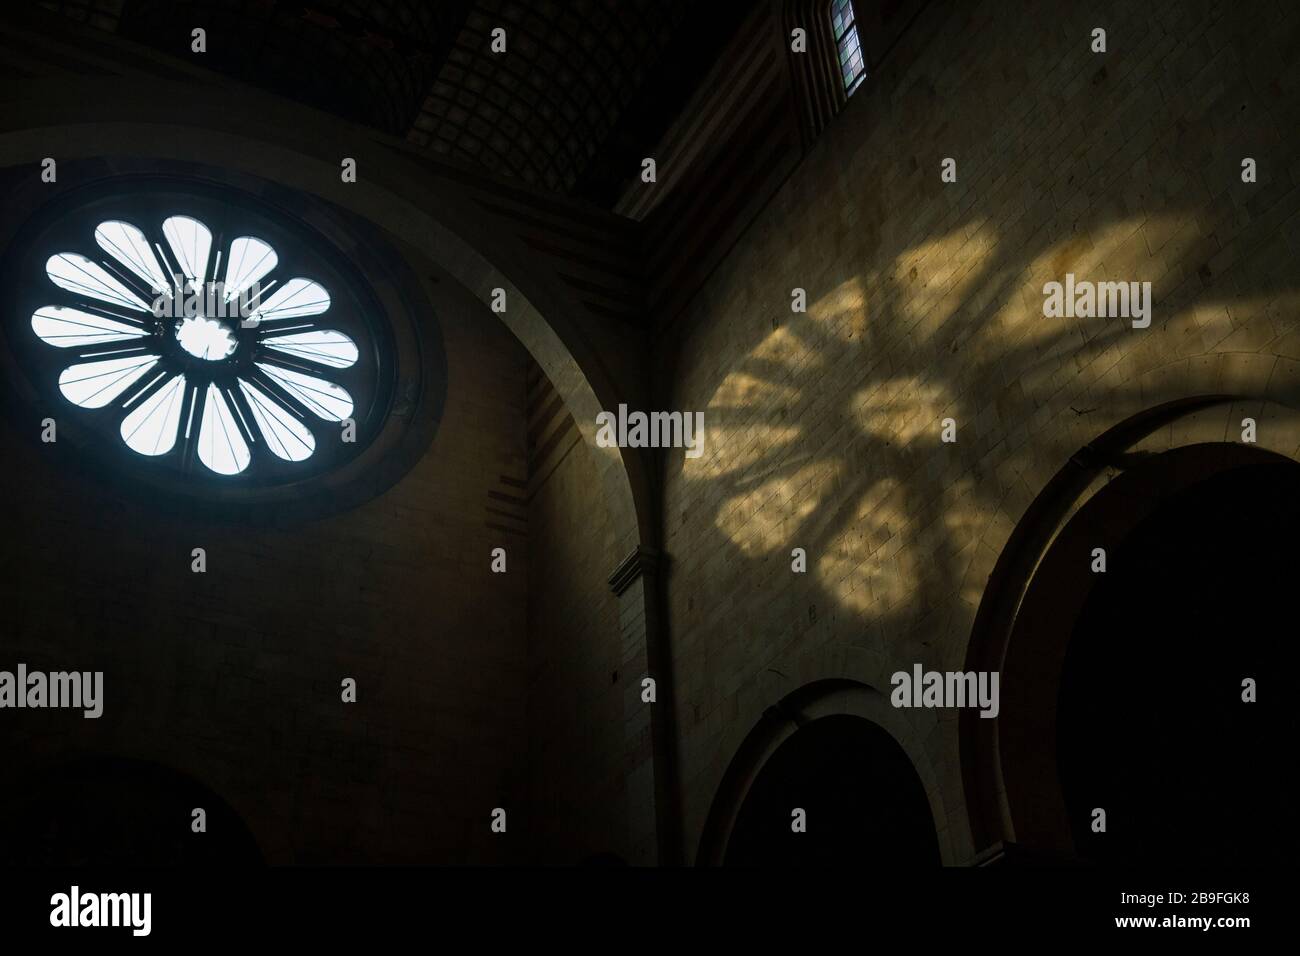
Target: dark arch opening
x,y
603,859
864,802
114,811
1151,725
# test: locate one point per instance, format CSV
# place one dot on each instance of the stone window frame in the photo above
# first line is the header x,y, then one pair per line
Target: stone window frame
x,y
393,433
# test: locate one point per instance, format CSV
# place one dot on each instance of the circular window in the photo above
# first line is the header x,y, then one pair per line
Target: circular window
x,y
203,335
217,343
210,363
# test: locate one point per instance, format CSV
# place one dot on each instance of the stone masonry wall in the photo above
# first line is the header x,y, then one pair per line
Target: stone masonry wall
x,y
233,676
925,301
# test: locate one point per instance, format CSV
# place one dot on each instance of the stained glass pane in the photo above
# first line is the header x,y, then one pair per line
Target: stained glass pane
x,y
191,244
95,384
295,299
76,273
65,328
151,428
221,445
329,401
285,435
128,245
325,346
250,260
853,67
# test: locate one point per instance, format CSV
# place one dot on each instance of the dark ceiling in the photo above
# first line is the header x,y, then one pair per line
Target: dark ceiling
x,y
584,91
370,62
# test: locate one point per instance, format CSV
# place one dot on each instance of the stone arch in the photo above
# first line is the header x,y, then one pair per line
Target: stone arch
x,y
395,188
115,810
832,697
1178,443
432,207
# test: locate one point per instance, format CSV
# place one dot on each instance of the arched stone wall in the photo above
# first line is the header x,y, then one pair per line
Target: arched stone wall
x,y
265,137
925,303
429,207
778,723
1008,763
106,810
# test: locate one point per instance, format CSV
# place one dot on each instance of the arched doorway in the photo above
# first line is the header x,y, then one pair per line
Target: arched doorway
x,y
115,811
864,803
1122,690
1151,725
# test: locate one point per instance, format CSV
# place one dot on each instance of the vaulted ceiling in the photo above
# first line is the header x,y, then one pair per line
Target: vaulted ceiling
x,y
584,89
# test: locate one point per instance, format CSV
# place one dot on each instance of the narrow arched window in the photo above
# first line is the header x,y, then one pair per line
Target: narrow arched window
x,y
853,68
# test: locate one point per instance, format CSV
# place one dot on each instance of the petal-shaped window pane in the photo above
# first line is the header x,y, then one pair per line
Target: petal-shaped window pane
x,y
250,260
294,299
221,444
128,245
191,244
285,435
331,402
325,346
65,327
151,428
95,384
76,273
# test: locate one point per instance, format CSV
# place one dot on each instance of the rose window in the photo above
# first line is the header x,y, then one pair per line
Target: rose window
x,y
204,336
158,349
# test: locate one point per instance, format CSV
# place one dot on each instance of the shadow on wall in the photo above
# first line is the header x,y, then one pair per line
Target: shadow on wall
x,y
116,811
925,303
847,474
